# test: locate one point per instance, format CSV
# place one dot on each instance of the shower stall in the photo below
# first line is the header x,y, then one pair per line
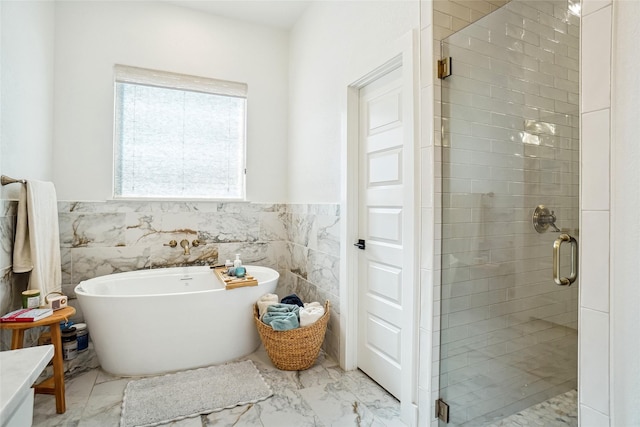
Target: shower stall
x,y
510,186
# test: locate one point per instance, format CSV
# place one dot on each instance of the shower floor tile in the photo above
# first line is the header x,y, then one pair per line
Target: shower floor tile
x,y
561,410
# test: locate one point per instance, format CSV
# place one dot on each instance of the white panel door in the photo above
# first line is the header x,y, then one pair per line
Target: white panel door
x,y
380,265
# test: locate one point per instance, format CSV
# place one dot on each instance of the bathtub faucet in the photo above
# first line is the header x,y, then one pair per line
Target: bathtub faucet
x,y
184,243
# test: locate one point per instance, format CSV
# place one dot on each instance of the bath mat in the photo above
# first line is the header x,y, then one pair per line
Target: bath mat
x,y
159,400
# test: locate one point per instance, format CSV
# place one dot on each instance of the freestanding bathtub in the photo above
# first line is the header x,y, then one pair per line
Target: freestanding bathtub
x,y
156,321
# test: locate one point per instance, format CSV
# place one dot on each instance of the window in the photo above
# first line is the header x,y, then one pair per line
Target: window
x,y
178,136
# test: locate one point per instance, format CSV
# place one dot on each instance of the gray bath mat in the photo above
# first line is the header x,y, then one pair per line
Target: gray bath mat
x,y
159,400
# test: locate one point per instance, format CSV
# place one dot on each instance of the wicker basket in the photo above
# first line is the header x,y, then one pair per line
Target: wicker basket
x,y
295,349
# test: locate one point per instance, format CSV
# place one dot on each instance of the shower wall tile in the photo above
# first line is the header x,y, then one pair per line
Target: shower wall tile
x,y
594,285
449,16
596,61
590,6
592,418
594,361
595,159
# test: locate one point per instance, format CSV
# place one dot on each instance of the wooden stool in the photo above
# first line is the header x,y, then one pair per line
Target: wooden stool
x,y
55,384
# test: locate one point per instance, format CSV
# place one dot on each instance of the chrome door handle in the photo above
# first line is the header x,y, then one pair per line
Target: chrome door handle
x,y
565,281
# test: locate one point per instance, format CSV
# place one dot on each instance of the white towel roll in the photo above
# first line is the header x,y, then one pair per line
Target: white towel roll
x,y
310,313
265,301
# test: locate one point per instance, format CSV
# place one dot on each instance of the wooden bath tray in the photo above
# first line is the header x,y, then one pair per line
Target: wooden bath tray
x,y
232,282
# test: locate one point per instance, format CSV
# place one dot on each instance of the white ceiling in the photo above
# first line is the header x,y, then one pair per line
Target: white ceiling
x,y
275,13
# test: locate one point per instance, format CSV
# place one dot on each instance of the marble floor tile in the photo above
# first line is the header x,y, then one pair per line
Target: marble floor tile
x,y
337,406
322,396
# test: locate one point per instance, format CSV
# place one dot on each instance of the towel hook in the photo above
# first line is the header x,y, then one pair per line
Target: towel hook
x,y
5,180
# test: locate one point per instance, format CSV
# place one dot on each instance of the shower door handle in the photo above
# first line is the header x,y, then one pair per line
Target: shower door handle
x,y
565,281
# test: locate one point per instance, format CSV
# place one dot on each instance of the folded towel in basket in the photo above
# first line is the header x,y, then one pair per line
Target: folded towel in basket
x,y
292,299
264,301
310,313
282,317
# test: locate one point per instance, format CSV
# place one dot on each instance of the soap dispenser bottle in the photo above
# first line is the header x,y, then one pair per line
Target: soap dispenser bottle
x,y
237,262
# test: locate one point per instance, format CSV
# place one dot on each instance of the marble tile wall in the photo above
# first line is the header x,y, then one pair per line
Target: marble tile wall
x,y
7,225
100,238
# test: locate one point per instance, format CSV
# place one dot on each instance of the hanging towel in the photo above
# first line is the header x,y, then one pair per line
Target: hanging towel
x,y
264,301
310,313
37,243
22,248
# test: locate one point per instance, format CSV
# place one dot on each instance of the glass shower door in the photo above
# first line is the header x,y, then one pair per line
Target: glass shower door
x,y
509,145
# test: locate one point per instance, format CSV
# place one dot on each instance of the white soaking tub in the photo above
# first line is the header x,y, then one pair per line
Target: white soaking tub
x,y
156,321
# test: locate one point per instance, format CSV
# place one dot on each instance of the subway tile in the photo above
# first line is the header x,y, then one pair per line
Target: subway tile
x,y
442,19
567,85
441,33
555,47
594,260
594,360
558,22
517,32
465,113
596,60
553,93
536,27
565,61
479,6
595,160
452,9
538,53
524,10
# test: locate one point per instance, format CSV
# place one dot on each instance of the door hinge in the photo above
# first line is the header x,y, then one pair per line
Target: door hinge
x,y
442,410
444,68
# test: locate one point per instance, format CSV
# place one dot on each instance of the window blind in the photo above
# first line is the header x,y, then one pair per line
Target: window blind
x,y
178,136
166,79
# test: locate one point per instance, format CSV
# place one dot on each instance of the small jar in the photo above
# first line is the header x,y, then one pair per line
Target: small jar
x,y
31,299
69,343
82,336
240,272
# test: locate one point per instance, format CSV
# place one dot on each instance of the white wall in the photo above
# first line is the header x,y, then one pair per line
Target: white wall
x,y
27,91
330,44
93,36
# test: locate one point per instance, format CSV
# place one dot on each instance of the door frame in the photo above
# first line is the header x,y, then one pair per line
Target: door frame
x,y
401,53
